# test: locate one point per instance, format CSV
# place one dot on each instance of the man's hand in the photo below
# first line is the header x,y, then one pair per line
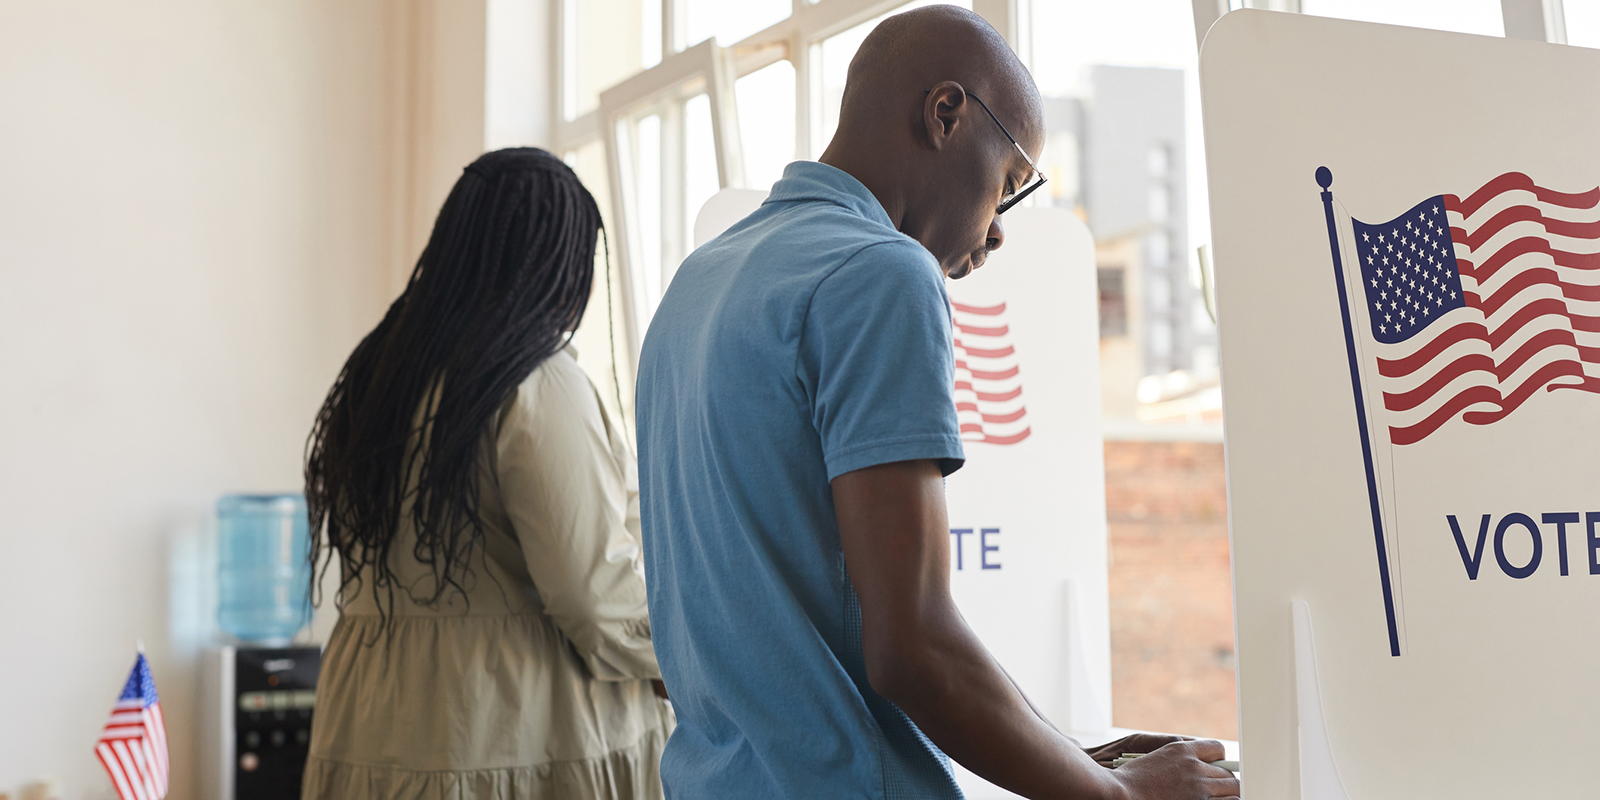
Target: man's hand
x,y
1136,743
1178,771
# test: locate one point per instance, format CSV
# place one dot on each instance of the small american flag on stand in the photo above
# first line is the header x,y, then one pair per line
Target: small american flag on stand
x,y
133,746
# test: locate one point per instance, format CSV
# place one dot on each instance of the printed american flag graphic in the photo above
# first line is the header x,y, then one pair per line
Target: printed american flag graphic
x,y
1477,304
989,401
133,745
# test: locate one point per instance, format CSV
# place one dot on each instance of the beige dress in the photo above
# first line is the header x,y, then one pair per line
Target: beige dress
x,y
536,684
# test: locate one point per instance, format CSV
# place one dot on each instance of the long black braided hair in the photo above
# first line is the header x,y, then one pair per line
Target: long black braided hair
x,y
503,281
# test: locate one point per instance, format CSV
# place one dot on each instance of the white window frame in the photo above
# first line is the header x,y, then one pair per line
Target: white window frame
x,y
663,89
687,70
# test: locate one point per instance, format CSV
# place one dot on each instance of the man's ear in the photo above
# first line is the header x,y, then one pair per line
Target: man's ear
x,y
941,112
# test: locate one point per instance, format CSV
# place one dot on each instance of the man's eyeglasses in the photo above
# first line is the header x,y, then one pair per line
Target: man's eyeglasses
x,y
1011,198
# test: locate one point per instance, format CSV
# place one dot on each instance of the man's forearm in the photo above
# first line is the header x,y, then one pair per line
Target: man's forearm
x,y
921,655
948,684
1034,708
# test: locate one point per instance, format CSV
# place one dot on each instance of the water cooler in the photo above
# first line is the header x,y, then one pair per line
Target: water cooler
x,y
260,692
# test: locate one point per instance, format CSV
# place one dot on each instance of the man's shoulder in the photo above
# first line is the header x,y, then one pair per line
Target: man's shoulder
x,y
897,258
855,255
822,235
776,265
852,231
895,269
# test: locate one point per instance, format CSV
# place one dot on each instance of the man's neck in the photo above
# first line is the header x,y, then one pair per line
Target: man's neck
x,y
877,174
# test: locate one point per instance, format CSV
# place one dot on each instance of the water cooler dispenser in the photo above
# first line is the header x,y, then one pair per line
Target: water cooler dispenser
x,y
260,693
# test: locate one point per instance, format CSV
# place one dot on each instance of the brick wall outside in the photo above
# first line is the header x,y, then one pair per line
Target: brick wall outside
x,y
1171,591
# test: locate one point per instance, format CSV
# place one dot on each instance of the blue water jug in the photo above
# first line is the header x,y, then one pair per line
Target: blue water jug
x,y
263,576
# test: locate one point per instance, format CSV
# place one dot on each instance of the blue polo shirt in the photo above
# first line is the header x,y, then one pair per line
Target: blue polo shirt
x,y
809,340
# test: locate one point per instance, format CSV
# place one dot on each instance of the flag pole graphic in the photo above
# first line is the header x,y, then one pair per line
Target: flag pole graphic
x,y
1325,180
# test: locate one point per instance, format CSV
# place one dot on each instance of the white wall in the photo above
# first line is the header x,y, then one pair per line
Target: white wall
x,y
197,211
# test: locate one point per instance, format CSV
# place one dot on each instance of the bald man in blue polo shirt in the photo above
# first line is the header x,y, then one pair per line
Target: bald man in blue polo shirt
x,y
796,420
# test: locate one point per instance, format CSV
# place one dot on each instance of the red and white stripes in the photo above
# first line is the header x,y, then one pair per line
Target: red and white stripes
x,y
988,385
1529,260
133,748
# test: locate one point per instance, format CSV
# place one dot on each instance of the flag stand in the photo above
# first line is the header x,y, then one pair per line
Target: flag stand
x,y
1325,180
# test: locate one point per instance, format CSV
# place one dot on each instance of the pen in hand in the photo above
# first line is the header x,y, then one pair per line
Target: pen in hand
x,y
1231,766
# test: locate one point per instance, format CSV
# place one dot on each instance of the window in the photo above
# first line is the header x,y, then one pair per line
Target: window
x,y
1159,303
1160,198
646,147
1113,301
1121,90
1158,246
672,139
766,122
729,21
1159,339
1122,115
1582,22
699,170
605,41
1059,161
1463,16
596,339
1160,160
651,78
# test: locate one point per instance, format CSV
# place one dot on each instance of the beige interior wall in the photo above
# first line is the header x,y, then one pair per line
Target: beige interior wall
x,y
440,97
203,206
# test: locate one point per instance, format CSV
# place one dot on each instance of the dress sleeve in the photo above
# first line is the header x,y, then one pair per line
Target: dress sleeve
x,y
572,501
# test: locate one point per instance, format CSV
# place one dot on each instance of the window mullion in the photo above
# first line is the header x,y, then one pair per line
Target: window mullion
x,y
1539,20
804,86
567,12
720,91
621,158
674,187
669,28
817,112
673,26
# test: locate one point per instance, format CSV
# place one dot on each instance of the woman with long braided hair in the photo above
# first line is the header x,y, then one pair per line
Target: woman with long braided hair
x,y
492,638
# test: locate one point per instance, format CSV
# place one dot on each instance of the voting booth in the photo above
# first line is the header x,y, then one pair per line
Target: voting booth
x,y
1027,510
1406,232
